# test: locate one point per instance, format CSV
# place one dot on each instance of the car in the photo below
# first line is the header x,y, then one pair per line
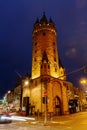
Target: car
x,y
5,119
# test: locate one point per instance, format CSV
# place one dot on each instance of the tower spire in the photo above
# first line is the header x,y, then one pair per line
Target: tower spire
x,y
44,19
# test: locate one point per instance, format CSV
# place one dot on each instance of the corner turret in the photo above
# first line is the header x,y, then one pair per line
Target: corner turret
x,y
45,66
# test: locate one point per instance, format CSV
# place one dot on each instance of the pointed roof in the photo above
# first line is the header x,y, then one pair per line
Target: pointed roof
x,y
44,57
43,19
60,63
50,20
37,21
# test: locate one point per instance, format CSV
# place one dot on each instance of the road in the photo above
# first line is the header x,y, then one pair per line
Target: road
x,y
77,121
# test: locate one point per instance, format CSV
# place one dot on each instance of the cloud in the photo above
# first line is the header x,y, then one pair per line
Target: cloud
x,y
83,23
81,3
71,53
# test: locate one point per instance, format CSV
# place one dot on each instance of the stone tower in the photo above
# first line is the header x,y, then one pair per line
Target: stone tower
x,y
48,90
47,74
45,40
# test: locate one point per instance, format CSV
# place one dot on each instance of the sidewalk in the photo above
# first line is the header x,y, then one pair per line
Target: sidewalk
x,y
55,120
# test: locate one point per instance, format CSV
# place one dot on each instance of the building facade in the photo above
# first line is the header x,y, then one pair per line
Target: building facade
x,y
46,89
47,75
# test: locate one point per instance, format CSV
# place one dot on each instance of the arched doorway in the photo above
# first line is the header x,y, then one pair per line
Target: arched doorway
x,y
57,106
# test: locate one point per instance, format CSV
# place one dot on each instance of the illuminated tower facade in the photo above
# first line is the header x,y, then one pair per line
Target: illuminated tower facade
x,y
47,74
47,90
45,40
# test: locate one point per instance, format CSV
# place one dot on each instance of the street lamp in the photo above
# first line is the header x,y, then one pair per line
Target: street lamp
x,y
83,81
25,95
45,94
45,80
25,82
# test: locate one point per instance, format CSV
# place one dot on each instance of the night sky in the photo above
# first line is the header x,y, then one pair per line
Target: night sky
x,y
17,18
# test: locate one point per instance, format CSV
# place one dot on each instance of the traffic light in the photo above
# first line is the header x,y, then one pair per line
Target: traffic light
x,y
43,100
3,101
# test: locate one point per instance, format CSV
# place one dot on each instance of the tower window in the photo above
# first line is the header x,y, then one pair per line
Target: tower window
x,y
54,50
34,59
35,43
44,33
41,66
48,67
53,43
44,66
35,51
54,59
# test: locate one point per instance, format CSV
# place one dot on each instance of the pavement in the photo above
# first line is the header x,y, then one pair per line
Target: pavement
x,y
77,121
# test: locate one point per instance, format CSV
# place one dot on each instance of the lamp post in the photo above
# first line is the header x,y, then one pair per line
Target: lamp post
x,y
24,83
83,82
45,108
45,80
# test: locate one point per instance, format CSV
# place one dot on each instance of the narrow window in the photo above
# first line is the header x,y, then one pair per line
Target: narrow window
x,y
48,67
44,33
44,66
34,59
35,43
54,59
53,43
35,51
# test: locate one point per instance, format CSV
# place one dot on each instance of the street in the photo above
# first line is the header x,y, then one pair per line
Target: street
x,y
77,121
